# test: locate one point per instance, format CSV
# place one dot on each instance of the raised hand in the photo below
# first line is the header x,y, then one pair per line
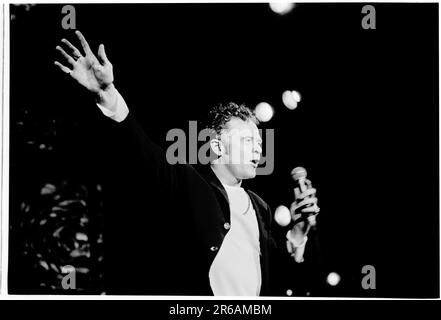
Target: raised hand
x,y
95,74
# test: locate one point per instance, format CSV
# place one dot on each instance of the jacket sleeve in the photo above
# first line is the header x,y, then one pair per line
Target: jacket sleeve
x,y
146,156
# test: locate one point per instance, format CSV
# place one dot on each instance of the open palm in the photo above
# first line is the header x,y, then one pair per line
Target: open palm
x,y
91,73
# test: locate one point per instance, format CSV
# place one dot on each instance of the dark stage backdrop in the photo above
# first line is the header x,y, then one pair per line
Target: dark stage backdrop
x,y
366,130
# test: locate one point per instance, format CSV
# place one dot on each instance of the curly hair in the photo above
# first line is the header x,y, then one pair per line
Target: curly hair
x,y
221,113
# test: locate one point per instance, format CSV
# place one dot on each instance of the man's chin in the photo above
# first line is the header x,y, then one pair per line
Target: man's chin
x,y
249,174
245,172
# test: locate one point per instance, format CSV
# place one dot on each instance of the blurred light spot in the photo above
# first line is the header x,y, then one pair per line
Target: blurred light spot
x,y
282,216
282,7
264,112
296,95
44,265
67,269
82,270
57,232
333,278
289,292
289,99
81,236
48,189
79,253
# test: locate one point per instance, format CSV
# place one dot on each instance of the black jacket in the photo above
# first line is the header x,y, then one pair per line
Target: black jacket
x,y
172,222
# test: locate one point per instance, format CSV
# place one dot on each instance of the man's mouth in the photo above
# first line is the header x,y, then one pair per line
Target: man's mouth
x,y
255,162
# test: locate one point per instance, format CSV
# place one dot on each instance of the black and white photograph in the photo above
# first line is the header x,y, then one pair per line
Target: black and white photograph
x,y
223,149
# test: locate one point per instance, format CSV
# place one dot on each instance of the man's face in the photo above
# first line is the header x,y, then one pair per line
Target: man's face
x,y
242,148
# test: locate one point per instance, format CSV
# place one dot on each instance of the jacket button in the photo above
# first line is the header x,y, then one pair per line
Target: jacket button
x,y
214,248
227,226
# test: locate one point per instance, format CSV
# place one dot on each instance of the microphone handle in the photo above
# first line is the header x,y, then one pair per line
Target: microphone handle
x,y
302,185
311,218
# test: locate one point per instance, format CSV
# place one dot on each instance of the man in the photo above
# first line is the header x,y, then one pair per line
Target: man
x,y
224,237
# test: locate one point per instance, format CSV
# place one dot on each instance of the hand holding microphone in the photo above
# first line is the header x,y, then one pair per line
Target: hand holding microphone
x,y
301,216
304,209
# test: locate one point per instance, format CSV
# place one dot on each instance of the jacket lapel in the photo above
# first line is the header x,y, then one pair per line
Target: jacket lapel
x,y
221,193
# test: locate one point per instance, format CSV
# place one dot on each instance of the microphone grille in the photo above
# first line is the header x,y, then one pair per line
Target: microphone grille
x,y
298,173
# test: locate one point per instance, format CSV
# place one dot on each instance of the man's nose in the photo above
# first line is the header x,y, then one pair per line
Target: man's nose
x,y
257,148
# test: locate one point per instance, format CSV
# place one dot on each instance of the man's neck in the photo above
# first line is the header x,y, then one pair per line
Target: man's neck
x,y
224,175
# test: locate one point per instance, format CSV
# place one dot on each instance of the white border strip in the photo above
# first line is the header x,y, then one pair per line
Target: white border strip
x,y
439,147
4,128
5,152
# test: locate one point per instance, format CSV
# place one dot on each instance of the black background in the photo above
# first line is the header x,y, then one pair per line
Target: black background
x,y
366,129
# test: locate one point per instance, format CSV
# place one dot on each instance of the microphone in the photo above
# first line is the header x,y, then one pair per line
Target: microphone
x,y
282,214
299,174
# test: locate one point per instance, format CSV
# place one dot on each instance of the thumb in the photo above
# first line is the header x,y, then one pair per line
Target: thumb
x,y
296,192
102,55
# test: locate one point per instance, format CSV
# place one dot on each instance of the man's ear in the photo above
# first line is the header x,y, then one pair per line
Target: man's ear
x,y
217,146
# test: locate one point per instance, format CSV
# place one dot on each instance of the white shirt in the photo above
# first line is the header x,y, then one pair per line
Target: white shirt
x,y
235,270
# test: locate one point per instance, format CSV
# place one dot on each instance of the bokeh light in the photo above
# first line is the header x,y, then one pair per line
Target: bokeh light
x,y
333,279
264,112
282,7
289,99
282,216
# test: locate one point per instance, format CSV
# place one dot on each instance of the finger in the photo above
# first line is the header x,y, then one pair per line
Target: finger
x,y
293,208
308,183
102,55
312,209
63,68
307,193
312,221
74,50
301,195
298,208
68,57
76,53
316,209
311,200
84,43
296,192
